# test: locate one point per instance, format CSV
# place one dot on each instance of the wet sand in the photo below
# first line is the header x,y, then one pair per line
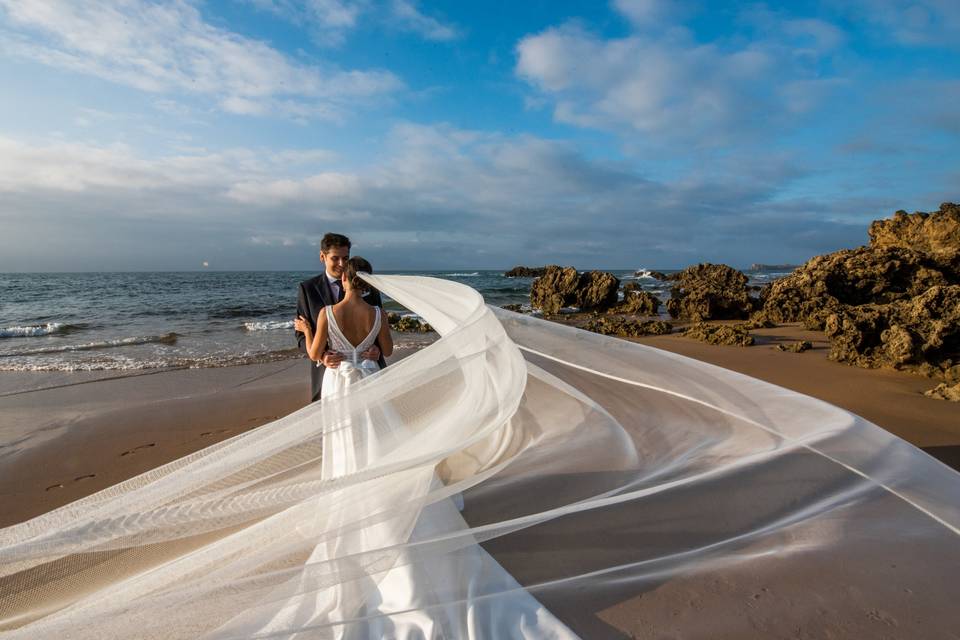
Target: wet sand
x,y
63,437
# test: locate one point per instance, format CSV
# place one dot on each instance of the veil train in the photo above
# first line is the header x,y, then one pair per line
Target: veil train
x,y
599,479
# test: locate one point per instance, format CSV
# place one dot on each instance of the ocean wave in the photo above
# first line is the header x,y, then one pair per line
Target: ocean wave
x,y
463,275
269,325
167,338
29,331
247,312
124,363
412,344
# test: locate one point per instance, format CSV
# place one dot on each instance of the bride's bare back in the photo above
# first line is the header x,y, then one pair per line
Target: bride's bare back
x,y
355,318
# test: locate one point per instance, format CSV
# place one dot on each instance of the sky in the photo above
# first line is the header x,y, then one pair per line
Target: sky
x,y
142,136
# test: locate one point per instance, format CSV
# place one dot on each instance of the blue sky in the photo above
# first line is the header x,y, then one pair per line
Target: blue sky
x,y
154,136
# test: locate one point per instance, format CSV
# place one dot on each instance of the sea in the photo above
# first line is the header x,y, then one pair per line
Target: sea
x,y
140,321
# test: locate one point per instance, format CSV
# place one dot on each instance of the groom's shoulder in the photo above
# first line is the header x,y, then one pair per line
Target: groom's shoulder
x,y
315,280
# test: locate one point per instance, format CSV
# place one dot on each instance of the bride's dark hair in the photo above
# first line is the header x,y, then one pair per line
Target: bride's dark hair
x,y
353,266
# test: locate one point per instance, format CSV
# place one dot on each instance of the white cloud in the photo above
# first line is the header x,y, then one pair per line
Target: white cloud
x,y
436,195
331,21
169,48
410,17
650,13
666,86
933,23
75,167
328,20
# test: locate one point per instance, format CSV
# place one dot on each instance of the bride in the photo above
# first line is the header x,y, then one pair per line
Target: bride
x,y
400,602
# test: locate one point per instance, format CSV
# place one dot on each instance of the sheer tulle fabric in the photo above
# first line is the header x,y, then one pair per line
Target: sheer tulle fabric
x,y
597,473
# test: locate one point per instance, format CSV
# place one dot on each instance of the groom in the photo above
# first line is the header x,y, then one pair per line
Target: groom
x,y
324,290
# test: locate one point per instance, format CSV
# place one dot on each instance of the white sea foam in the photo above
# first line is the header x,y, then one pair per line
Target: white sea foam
x,y
168,339
463,275
269,325
28,331
119,362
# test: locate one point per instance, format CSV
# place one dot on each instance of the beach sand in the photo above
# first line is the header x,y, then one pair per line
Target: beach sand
x,y
64,436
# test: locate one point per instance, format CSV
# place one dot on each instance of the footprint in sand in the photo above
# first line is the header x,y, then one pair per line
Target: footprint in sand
x,y
55,486
85,477
135,449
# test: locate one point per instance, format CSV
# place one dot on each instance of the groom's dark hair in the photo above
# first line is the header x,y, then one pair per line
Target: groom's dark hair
x,y
331,240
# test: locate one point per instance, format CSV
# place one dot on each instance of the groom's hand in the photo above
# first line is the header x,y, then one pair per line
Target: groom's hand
x,y
373,353
331,359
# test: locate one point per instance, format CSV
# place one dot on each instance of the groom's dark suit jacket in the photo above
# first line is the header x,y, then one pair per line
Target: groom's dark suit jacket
x,y
314,295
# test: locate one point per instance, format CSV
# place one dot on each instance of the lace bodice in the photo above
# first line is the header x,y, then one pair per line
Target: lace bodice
x,y
338,342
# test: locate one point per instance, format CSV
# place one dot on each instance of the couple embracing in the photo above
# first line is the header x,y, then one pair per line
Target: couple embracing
x,y
340,322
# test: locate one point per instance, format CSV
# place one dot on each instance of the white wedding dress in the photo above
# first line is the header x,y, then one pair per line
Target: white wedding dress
x,y
400,602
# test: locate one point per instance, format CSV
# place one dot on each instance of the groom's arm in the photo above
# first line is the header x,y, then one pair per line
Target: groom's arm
x,y
302,310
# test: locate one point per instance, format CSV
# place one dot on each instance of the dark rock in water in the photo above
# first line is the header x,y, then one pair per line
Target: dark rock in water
x,y
407,324
944,392
710,292
512,307
724,334
656,275
637,301
525,272
796,347
614,326
895,303
561,287
758,266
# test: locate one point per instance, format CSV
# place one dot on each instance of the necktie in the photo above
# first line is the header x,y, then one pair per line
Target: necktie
x,y
337,291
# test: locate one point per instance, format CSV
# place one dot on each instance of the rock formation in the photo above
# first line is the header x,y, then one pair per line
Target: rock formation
x,y
796,347
709,292
759,266
894,303
407,324
656,275
627,328
944,392
525,272
935,234
561,287
637,301
725,334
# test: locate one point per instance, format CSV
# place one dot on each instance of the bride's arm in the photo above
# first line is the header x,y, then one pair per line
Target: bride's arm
x,y
384,337
314,343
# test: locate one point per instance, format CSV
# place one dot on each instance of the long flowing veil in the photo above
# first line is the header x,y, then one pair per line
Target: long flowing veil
x,y
609,478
